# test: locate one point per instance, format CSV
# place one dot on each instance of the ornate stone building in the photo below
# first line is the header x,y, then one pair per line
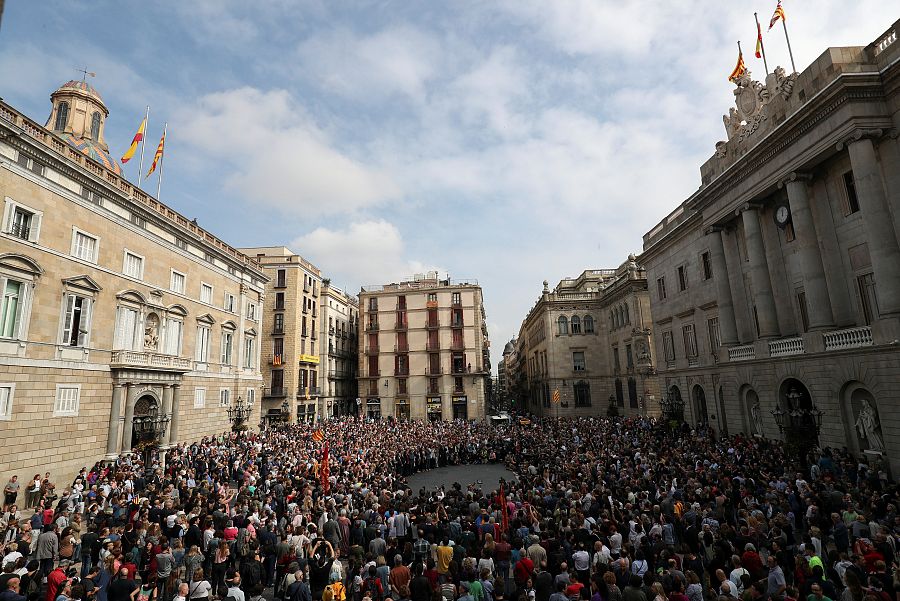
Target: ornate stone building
x,y
586,346
114,308
424,350
776,286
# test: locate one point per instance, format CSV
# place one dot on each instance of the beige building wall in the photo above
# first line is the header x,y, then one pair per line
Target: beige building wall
x,y
777,284
338,328
74,234
425,356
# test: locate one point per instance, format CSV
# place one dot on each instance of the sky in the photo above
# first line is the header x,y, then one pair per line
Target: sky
x,y
511,141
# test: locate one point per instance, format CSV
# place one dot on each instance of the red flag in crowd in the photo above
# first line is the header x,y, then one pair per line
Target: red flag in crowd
x,y
323,472
504,511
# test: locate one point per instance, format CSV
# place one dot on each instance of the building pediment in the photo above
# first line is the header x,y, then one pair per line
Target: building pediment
x,y
229,325
250,332
177,309
206,318
22,263
84,282
132,295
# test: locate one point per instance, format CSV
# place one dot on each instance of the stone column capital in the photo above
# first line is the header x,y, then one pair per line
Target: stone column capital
x,y
795,176
860,134
747,206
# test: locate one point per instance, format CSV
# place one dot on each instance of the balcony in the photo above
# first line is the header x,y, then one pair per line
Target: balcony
x,y
374,373
303,393
281,283
456,304
745,352
278,359
460,369
336,374
401,348
401,371
372,327
401,325
274,392
432,324
786,347
313,336
432,346
151,360
434,370
278,331
456,323
457,345
459,389
431,304
847,339
371,350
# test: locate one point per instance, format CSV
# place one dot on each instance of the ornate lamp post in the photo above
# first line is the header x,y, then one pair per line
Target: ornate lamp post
x,y
238,413
149,428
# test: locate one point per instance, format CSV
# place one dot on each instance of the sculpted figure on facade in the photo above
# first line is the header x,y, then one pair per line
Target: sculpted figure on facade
x,y
868,427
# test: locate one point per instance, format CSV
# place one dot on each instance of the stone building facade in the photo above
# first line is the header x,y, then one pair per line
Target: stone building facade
x,y
777,284
114,306
339,330
290,352
585,347
423,350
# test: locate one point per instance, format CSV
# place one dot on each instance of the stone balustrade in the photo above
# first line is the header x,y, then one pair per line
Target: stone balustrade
x,y
742,353
148,359
785,347
849,338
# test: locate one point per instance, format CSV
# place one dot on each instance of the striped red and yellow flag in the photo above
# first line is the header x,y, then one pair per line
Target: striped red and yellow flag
x,y
318,436
758,41
779,14
739,69
134,143
158,156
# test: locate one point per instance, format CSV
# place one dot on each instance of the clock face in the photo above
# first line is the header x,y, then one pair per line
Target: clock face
x,y
782,214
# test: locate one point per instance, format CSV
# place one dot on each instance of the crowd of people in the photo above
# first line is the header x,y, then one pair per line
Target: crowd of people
x,y
600,509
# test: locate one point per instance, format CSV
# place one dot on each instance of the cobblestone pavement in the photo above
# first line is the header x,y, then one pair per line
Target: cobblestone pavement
x,y
488,473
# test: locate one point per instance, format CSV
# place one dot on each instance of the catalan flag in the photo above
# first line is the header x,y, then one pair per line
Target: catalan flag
x,y
739,69
779,14
556,395
318,436
134,143
158,156
759,43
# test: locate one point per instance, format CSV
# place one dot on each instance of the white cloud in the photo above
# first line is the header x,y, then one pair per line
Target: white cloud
x,y
364,252
277,155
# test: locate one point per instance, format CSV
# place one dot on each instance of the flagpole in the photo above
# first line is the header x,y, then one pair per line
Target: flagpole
x,y
143,142
784,24
761,45
162,159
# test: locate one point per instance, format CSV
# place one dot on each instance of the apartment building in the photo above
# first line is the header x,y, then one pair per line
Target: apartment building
x,y
339,331
423,349
115,307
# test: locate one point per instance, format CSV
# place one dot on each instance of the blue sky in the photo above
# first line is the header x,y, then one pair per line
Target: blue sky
x,y
510,141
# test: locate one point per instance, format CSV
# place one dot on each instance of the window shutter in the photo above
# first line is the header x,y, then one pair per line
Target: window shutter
x,y
67,319
35,228
87,313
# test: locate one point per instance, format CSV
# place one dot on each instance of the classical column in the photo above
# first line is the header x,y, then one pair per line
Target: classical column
x,y
759,273
727,325
818,303
129,419
176,413
873,205
112,440
166,410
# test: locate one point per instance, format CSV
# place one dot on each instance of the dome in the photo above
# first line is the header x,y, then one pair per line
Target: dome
x,y
93,150
81,86
509,348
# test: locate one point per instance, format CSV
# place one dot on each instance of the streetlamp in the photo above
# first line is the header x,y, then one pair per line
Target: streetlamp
x,y
238,413
148,429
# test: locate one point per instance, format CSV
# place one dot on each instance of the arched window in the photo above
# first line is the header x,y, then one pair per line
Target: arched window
x,y
62,116
95,127
563,324
582,394
588,324
576,324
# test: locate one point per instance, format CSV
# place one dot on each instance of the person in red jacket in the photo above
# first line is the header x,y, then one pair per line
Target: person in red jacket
x,y
55,580
523,570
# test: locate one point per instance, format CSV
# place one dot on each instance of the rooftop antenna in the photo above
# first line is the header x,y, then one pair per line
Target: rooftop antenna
x,y
85,74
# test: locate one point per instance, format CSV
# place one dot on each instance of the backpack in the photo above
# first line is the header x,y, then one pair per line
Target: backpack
x,y
338,591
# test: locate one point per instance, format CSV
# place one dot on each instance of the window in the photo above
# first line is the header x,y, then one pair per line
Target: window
x,y
76,320
251,311
229,302
199,398
616,364
281,278
668,347
563,325
804,314
20,221
706,265
84,246
432,297
582,394
133,265
224,397
173,333
682,278
690,340
632,393
277,351
7,391
278,326
227,345
62,116
712,326
588,324
95,127
852,201
373,304
180,243
126,337
629,357
249,352
279,300
67,397
868,301
456,298
202,350
578,361
576,324
206,293
176,283
251,396
11,310
661,288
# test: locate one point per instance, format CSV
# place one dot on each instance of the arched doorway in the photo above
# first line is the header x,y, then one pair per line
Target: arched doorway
x,y
723,421
146,406
796,401
677,403
699,404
